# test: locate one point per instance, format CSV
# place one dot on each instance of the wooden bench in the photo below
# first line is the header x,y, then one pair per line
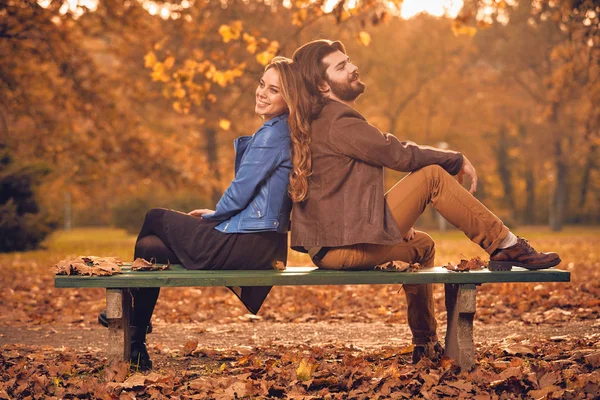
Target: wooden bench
x,y
460,291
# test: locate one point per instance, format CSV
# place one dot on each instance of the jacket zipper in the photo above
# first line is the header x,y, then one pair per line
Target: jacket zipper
x,y
257,210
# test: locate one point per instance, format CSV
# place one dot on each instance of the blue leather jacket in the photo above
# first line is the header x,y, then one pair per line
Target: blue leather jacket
x,y
257,199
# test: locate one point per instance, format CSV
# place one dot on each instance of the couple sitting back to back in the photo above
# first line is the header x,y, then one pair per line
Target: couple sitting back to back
x,y
319,158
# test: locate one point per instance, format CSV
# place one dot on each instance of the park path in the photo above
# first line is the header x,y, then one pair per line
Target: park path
x,y
252,332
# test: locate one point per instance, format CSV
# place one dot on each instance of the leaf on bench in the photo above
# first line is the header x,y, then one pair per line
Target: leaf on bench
x,y
398,266
278,265
89,265
474,264
140,264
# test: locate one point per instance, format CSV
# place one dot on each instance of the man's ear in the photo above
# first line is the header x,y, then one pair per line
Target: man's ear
x,y
324,87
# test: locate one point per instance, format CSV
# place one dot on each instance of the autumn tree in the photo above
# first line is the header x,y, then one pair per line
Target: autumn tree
x,y
551,52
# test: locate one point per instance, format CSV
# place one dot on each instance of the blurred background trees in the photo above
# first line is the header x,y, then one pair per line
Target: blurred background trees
x,y
133,104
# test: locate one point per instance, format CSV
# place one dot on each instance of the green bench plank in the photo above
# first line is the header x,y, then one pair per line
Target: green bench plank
x,y
177,276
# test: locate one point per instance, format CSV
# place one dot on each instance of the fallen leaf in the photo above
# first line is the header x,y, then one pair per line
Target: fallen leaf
x,y
543,393
134,380
398,266
517,349
189,347
305,370
88,265
279,265
140,264
593,359
117,371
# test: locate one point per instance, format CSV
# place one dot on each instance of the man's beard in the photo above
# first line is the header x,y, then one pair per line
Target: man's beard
x,y
345,91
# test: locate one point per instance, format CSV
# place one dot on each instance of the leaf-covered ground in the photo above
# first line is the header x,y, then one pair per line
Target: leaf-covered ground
x,y
533,340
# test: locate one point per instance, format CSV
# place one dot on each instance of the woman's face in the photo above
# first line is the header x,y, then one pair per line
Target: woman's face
x,y
269,100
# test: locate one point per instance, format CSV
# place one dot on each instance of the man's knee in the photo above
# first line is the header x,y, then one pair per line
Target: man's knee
x,y
434,171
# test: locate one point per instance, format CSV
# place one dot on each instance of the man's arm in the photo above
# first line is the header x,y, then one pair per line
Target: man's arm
x,y
353,136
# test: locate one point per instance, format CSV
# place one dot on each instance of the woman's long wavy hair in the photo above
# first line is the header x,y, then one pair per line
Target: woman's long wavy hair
x,y
291,87
306,104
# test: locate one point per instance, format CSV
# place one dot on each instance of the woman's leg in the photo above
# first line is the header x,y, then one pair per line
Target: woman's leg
x,y
154,225
149,247
152,244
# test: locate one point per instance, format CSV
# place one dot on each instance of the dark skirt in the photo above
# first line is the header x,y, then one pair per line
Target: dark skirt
x,y
199,246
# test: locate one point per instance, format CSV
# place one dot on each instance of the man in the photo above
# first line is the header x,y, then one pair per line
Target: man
x,y
345,221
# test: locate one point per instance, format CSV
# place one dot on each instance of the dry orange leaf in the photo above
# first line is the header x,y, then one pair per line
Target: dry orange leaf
x,y
189,347
89,265
140,264
398,266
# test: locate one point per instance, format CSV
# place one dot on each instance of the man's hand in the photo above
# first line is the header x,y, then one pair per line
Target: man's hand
x,y
200,212
409,235
468,170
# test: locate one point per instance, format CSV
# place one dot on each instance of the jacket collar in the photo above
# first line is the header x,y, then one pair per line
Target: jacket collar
x,y
276,119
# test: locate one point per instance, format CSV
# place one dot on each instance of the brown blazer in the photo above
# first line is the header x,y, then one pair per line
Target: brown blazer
x,y
346,204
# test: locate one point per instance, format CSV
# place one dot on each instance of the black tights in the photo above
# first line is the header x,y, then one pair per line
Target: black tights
x,y
152,243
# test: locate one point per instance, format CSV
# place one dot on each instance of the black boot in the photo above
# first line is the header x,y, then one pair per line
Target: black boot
x,y
103,320
140,359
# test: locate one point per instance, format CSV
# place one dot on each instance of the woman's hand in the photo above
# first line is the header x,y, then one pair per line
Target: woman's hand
x,y
409,235
469,170
200,212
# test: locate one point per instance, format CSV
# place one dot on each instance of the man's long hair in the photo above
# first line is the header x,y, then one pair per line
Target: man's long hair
x,y
308,61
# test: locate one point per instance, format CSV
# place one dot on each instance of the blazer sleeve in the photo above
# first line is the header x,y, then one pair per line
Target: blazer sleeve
x,y
260,160
352,135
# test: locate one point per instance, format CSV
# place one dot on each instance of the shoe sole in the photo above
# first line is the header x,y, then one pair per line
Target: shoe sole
x,y
507,265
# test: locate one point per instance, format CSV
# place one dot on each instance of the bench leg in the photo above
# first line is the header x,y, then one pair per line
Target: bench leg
x,y
118,311
460,306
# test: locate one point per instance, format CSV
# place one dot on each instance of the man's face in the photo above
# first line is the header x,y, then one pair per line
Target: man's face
x,y
342,77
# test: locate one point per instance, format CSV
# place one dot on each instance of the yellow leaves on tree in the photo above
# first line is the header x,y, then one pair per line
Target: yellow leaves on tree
x,y
150,60
159,69
299,17
251,43
222,78
459,28
266,56
224,124
364,38
230,32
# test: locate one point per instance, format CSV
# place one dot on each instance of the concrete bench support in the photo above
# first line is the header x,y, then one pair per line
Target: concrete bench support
x,y
118,311
460,305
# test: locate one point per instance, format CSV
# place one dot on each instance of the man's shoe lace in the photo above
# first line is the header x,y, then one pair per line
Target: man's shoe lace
x,y
526,246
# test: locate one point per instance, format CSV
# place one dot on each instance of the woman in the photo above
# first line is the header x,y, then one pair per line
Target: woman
x,y
248,228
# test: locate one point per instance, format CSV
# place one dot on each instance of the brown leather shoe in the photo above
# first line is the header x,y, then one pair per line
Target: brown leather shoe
x,y
521,255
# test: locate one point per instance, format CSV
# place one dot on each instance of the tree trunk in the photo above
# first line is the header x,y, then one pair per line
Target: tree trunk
x,y
528,216
560,189
558,200
504,168
529,211
585,179
210,136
